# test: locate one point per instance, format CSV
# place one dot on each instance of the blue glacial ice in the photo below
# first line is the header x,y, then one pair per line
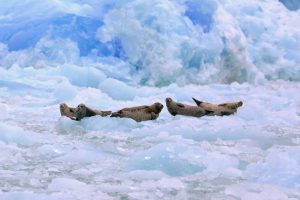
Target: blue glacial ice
x,y
122,53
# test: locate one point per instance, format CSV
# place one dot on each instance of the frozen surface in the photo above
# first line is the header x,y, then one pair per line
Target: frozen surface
x,y
156,42
112,54
247,155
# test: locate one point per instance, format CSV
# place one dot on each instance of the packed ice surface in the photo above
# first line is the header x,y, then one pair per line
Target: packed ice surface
x,y
122,53
254,154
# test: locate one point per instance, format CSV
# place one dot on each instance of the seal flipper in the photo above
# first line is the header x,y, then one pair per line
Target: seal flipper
x,y
197,101
154,116
226,113
173,113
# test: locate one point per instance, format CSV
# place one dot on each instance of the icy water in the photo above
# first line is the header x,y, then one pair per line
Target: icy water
x,y
254,154
111,54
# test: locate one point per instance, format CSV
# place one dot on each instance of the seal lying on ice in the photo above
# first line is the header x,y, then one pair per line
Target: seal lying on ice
x,y
176,108
140,113
219,109
83,111
67,111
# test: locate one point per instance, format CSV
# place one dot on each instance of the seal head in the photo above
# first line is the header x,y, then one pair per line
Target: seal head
x,y
83,111
67,111
157,107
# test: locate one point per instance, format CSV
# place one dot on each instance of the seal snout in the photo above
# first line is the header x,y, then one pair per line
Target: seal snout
x,y
81,105
62,105
168,100
159,107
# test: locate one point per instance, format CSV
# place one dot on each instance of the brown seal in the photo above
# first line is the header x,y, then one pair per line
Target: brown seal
x,y
176,108
140,113
83,111
219,109
67,111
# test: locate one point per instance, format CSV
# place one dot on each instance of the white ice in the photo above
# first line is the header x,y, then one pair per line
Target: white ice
x,y
119,53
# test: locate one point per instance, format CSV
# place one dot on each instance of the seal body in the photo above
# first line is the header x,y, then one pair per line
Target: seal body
x,y
176,108
219,109
67,111
83,111
140,113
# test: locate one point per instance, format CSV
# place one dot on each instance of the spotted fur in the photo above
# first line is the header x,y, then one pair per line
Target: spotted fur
x,y
219,109
140,113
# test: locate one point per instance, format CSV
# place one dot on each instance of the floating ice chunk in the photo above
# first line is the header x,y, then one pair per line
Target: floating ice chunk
x,y
262,192
165,158
280,167
82,156
96,123
109,124
4,111
11,85
15,135
64,92
118,90
13,195
65,126
64,184
145,175
68,188
51,150
180,160
82,76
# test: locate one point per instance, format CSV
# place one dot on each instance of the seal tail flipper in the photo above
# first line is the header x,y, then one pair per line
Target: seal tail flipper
x,y
106,113
154,116
197,101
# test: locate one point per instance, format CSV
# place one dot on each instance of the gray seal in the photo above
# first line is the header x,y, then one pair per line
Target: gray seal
x,y
83,111
176,108
140,113
222,109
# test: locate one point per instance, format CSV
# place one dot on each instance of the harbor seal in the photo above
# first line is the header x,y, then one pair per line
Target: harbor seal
x,y
67,111
176,108
83,111
219,109
140,113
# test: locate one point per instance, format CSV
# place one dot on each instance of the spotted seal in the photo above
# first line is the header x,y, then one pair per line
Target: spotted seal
x,y
176,108
67,111
140,113
219,109
83,111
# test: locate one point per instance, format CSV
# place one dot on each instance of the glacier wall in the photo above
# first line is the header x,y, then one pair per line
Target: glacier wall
x,y
156,42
